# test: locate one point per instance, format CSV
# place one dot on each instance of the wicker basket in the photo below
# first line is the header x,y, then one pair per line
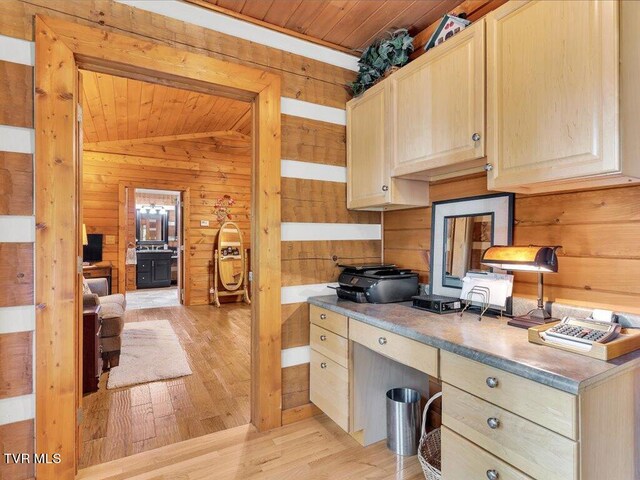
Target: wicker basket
x,y
429,446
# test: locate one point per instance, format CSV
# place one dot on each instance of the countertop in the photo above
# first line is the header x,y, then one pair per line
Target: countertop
x,y
490,341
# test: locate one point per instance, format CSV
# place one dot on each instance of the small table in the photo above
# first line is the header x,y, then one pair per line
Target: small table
x,y
98,271
91,354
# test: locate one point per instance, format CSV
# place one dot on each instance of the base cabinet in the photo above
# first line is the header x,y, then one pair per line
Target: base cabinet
x,y
153,270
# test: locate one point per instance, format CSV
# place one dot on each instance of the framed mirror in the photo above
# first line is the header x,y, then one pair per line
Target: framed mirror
x,y
460,231
152,225
230,264
230,254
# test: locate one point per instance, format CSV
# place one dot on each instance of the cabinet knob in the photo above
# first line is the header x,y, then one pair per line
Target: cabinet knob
x,y
382,341
323,338
475,137
493,423
323,365
488,167
323,316
492,475
492,382
385,188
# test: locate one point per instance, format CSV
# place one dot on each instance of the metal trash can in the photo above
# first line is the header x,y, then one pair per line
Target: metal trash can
x,y
403,421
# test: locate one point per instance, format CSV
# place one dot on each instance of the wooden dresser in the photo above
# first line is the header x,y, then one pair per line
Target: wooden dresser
x,y
101,270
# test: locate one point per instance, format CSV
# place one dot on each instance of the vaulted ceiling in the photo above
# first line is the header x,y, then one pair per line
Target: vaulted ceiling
x,y
352,24
117,108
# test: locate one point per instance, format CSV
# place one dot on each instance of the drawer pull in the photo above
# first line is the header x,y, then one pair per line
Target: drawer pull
x,y
492,382
493,423
382,341
492,475
323,365
323,316
323,338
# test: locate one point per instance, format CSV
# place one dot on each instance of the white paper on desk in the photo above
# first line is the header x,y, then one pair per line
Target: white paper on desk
x,y
500,287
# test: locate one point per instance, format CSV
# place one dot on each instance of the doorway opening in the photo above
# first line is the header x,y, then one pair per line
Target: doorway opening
x,y
59,234
164,170
154,257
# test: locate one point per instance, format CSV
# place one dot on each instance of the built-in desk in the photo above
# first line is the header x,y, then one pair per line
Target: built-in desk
x,y
509,407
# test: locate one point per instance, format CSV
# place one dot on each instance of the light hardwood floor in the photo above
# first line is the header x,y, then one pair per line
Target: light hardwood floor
x,y
313,449
215,397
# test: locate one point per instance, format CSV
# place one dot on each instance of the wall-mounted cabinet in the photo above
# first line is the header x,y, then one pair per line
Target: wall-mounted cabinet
x,y
438,108
561,95
369,182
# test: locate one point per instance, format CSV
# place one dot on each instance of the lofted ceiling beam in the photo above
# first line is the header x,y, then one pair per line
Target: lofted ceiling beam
x,y
231,134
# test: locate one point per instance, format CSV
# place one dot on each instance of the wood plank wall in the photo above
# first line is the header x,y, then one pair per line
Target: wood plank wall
x,y
209,174
303,139
598,229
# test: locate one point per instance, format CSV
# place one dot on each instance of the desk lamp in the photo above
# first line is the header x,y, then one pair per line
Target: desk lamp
x,y
525,259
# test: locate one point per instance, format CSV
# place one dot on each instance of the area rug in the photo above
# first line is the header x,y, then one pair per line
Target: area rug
x,y
150,351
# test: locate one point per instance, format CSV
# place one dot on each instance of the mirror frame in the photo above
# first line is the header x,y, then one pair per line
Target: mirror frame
x,y
164,234
243,259
501,208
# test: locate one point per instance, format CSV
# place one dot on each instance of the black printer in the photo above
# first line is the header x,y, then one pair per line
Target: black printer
x,y
377,283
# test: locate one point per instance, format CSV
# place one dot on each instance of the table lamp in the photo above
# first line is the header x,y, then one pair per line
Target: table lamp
x,y
525,259
85,239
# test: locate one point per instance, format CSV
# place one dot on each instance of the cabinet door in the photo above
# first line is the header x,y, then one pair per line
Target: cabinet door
x,y
438,106
161,271
552,89
367,166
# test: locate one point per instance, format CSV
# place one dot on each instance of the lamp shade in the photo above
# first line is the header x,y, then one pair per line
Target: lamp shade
x,y
526,259
85,239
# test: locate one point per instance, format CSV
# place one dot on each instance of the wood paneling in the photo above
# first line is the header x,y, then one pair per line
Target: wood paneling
x,y
312,141
350,24
16,349
16,438
295,325
123,108
597,229
295,386
302,78
317,261
16,183
16,274
319,202
104,172
16,96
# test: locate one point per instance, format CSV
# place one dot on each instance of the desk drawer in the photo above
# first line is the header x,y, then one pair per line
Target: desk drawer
x,y
461,459
527,446
544,405
402,349
329,320
330,344
329,388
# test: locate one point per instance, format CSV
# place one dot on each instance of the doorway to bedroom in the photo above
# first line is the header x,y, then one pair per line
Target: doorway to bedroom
x,y
166,177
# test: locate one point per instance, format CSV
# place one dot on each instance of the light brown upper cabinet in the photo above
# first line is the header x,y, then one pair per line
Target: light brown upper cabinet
x,y
438,108
369,183
562,101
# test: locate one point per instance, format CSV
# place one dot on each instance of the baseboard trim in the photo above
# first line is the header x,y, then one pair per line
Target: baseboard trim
x,y
295,414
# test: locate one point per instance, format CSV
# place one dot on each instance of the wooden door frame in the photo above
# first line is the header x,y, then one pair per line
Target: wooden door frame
x,y
184,192
62,48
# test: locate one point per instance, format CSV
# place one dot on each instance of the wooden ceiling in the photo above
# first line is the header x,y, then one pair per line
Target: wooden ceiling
x,y
117,108
351,24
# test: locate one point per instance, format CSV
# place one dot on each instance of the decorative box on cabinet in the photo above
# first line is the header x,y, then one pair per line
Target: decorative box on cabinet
x,y
438,109
562,96
369,182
